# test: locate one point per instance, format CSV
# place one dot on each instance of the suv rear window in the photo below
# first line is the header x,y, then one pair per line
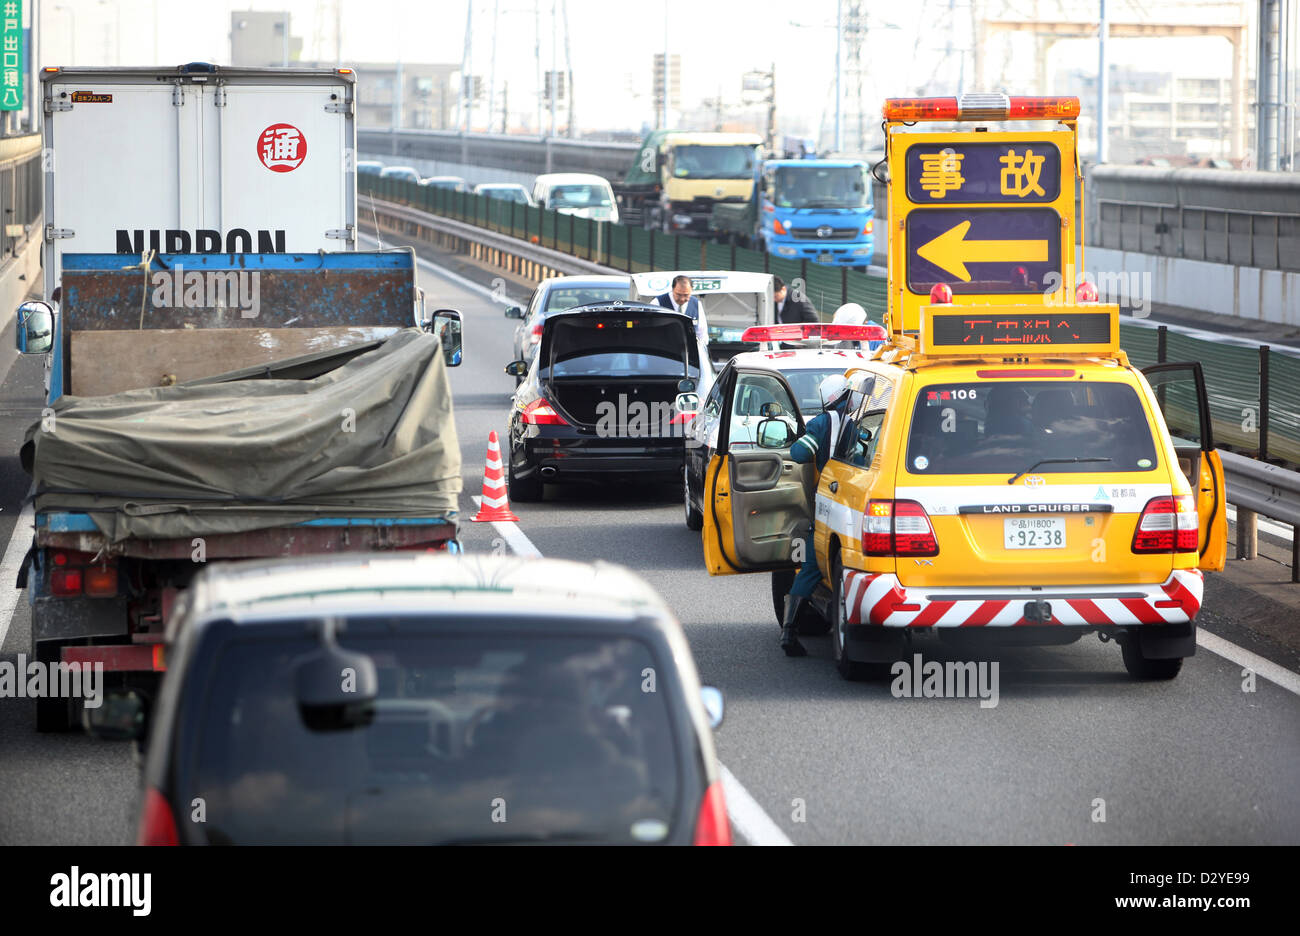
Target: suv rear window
x,y
991,428
475,737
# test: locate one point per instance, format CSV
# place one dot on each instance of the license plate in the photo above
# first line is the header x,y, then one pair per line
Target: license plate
x,y
1034,532
825,258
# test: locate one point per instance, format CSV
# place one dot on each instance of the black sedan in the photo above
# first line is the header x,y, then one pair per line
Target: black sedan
x,y
603,397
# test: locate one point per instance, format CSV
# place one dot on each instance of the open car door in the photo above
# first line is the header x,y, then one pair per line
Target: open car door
x,y
756,498
1180,390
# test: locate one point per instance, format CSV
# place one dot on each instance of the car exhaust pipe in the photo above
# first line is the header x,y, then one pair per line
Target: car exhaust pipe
x,y
548,472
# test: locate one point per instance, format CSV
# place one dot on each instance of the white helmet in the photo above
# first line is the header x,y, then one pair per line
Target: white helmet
x,y
849,314
832,389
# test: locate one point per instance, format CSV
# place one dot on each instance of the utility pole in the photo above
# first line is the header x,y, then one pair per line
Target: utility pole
x,y
1103,82
492,68
1269,81
568,69
667,71
771,109
284,46
537,55
554,71
466,64
839,76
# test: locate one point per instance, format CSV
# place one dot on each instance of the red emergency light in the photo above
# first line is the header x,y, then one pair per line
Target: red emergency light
x,y
981,106
826,331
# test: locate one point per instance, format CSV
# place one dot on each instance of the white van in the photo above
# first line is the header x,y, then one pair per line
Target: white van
x,y
576,193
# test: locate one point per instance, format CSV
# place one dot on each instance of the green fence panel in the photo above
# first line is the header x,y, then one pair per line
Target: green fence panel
x,y
788,270
869,291
1139,342
639,249
549,227
824,289
1232,382
616,254
665,252
749,261
1284,407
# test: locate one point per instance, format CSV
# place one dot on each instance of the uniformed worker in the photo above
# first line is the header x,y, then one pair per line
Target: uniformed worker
x,y
853,314
813,446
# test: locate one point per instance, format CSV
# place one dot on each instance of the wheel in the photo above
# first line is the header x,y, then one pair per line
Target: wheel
x,y
51,714
694,518
1141,667
849,669
524,490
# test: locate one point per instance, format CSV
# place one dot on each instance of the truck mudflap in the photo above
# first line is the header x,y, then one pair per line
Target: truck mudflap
x,y
879,600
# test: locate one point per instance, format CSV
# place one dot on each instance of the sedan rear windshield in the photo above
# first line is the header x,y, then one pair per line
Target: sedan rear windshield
x,y
571,297
627,346
473,738
1008,426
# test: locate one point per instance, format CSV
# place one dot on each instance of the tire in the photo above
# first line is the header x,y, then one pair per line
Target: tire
x,y
52,715
1141,667
523,490
810,622
849,669
694,518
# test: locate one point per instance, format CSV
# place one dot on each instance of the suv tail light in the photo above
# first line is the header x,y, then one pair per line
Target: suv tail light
x,y
1167,525
157,825
541,413
712,827
897,528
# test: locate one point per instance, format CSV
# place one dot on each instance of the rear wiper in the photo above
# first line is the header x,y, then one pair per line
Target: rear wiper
x,y
1053,461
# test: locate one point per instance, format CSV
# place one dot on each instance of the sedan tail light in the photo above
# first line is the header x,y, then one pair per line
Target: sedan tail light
x,y
157,824
897,528
541,413
535,335
712,826
1167,525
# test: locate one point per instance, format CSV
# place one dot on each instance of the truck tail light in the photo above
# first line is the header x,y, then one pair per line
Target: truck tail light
x,y
541,413
1168,525
65,582
157,824
897,528
778,227
712,826
101,581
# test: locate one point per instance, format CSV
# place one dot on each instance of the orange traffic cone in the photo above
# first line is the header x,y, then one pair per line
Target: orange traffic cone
x,y
496,503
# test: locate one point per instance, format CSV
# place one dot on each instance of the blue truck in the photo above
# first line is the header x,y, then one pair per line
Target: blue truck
x,y
819,210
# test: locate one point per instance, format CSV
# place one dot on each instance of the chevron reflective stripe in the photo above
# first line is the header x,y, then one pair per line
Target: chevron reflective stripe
x,y
879,599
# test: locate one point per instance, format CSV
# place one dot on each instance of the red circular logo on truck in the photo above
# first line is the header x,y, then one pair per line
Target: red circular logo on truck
x,y
281,147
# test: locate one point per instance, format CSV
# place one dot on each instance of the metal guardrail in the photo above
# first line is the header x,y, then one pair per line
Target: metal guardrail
x,y
1257,488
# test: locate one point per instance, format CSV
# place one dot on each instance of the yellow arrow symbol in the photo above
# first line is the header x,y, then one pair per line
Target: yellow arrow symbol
x,y
950,251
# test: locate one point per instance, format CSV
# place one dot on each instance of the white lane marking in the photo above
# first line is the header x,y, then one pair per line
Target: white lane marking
x,y
456,278
1252,661
19,542
747,817
1268,526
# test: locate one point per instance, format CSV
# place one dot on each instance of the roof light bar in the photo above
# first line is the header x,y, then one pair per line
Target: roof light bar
x,y
798,331
981,106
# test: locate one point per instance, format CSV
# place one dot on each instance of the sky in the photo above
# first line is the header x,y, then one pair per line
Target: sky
x,y
908,45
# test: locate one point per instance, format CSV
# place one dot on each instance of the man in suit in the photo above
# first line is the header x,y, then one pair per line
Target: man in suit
x,y
791,308
679,299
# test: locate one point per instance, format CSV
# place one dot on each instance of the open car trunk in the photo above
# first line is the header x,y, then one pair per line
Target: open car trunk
x,y
617,366
627,401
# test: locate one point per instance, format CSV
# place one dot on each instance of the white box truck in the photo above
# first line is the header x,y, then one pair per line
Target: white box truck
x,y
200,159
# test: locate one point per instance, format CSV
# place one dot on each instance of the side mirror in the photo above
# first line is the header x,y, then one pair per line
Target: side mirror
x,y
864,435
517,368
35,331
713,704
514,312
122,715
446,324
685,385
771,409
687,402
774,434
